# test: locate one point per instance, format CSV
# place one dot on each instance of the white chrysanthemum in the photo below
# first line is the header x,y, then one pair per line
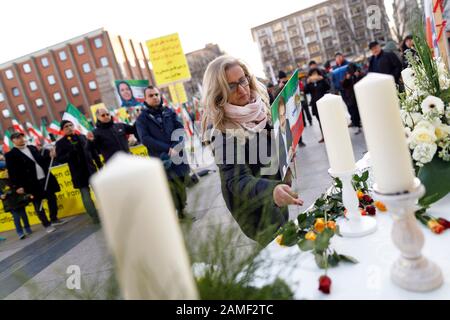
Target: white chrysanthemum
x,y
424,153
442,131
409,79
432,105
447,113
444,82
410,119
423,133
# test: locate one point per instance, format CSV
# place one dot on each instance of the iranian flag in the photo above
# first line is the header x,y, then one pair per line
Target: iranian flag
x,y
18,127
34,133
55,128
7,143
80,122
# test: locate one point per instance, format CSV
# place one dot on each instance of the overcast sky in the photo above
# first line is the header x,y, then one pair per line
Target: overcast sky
x,y
31,25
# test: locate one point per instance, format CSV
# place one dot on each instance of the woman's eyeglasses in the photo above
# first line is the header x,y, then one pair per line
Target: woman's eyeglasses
x,y
104,115
243,82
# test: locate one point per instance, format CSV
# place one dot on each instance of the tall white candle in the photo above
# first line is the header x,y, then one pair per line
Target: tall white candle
x,y
335,132
142,229
379,108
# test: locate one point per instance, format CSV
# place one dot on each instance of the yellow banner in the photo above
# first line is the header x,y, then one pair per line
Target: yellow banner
x,y
177,93
69,199
168,60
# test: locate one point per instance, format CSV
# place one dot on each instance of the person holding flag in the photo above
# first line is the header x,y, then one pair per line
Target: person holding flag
x,y
29,173
237,109
75,150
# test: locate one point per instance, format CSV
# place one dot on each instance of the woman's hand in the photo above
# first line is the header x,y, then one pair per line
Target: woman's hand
x,y
283,196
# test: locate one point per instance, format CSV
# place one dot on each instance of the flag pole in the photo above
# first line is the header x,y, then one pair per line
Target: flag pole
x,y
46,182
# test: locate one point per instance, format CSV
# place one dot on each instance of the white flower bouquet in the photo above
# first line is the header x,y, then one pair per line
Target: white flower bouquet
x,y
425,113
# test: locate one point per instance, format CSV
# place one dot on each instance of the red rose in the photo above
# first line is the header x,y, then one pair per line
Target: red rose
x,y
324,284
371,210
444,223
367,199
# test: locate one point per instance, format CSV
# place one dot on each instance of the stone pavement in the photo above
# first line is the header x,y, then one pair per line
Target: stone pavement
x,y
36,268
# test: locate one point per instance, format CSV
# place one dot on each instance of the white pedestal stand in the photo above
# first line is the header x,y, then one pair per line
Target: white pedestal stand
x,y
412,271
354,225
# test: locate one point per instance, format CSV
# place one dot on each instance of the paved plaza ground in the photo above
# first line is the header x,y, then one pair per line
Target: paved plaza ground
x,y
36,268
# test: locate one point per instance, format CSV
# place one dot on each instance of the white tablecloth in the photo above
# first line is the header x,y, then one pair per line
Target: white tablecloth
x,y
370,278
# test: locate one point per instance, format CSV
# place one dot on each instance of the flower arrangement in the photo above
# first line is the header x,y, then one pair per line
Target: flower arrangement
x,y
425,112
313,229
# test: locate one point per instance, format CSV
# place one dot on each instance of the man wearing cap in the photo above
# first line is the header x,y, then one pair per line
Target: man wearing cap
x,y
384,62
75,150
28,170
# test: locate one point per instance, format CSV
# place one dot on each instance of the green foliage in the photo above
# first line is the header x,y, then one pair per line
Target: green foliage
x,y
436,178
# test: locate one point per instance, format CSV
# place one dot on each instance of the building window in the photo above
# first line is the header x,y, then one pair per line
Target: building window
x,y
15,92
98,43
75,91
9,74
81,109
26,68
57,96
69,73
51,79
39,102
21,108
62,56
2,98
80,49
104,61
86,67
92,85
314,49
6,113
44,62
33,86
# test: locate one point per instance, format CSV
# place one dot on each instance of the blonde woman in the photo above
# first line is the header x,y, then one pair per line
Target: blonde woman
x,y
237,111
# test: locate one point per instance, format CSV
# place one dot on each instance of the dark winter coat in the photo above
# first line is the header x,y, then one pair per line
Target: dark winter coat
x,y
111,137
155,127
387,63
79,155
22,171
247,194
317,90
12,200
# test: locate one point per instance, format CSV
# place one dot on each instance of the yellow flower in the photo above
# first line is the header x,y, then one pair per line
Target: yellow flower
x,y
310,236
360,194
279,240
380,206
319,226
331,225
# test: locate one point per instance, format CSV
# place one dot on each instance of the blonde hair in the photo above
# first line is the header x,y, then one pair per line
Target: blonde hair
x,y
216,91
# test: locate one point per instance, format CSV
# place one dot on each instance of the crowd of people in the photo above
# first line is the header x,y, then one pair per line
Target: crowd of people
x,y
233,98
25,175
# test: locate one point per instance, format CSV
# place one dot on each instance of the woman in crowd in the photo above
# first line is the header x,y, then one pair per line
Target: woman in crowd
x,y
237,111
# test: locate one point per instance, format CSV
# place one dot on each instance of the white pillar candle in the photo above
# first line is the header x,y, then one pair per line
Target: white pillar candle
x,y
142,230
335,132
379,108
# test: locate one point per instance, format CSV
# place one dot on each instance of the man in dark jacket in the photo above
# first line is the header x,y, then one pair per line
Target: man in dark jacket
x,y
155,127
384,62
109,137
317,86
28,170
76,151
